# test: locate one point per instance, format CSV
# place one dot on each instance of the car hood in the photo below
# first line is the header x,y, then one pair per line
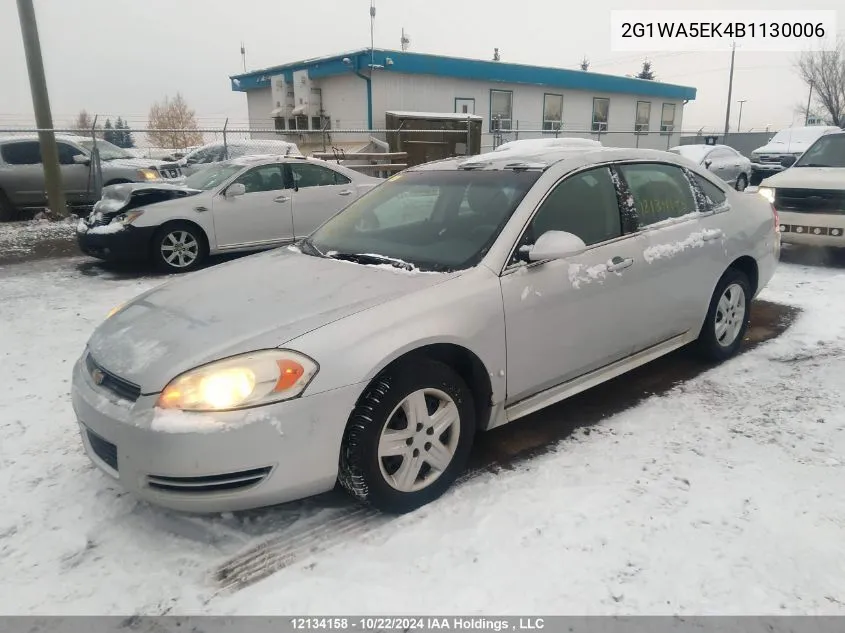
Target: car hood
x,y
126,196
258,302
808,178
793,147
137,163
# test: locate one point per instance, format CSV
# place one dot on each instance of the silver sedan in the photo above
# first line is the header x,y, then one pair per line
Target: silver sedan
x,y
724,161
455,297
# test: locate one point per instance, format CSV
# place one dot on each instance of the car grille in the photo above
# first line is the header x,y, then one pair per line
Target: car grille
x,y
118,386
170,171
830,201
103,449
209,483
770,158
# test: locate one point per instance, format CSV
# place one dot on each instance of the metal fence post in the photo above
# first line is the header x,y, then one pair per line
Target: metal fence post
x,y
225,140
325,127
96,167
469,135
516,134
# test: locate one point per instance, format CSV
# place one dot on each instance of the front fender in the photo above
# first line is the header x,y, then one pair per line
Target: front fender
x,y
465,311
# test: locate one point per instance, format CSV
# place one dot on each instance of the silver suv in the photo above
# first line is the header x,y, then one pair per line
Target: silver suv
x,y
22,174
213,153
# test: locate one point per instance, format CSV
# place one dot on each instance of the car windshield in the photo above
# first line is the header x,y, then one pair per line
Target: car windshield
x,y
106,149
212,176
431,220
695,153
828,151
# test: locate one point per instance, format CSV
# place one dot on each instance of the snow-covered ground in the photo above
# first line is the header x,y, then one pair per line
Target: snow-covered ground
x,y
724,495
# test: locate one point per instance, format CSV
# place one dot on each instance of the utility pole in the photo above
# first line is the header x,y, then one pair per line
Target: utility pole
x,y
730,90
41,106
809,100
739,123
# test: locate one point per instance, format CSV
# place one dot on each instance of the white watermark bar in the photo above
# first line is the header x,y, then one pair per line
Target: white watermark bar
x,y
766,30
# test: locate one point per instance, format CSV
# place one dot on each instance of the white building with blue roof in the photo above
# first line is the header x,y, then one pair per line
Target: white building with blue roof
x,y
354,90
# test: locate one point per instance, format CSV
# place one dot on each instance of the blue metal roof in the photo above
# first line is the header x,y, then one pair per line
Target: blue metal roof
x,y
470,69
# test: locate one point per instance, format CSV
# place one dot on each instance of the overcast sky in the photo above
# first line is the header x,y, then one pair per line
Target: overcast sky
x,y
115,57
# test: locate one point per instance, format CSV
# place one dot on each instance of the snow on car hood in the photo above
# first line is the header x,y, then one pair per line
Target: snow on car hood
x,y
258,302
126,196
808,178
137,163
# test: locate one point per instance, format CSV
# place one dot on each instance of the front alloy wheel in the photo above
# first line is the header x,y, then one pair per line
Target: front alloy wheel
x,y
178,248
408,437
727,317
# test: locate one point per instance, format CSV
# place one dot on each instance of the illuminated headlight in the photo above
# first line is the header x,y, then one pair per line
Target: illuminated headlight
x,y
148,174
768,193
239,382
127,218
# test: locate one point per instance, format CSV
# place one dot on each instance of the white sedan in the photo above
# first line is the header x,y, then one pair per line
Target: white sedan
x,y
245,204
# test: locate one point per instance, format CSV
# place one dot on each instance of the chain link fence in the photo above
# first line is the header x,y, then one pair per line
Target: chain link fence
x,y
91,159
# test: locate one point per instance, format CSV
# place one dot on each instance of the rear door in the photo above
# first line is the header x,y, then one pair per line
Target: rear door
x,y
684,254
318,193
24,173
260,217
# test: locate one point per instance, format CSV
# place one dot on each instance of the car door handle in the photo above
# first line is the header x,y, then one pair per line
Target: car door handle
x,y
281,199
712,234
345,192
618,263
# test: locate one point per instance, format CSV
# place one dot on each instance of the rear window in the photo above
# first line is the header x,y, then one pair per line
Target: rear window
x,y
21,153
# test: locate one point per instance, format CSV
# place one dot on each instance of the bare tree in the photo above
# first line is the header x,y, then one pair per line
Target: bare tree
x,y
84,123
173,125
824,74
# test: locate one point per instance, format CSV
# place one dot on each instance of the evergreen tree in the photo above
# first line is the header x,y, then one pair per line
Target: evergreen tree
x,y
646,72
124,136
109,135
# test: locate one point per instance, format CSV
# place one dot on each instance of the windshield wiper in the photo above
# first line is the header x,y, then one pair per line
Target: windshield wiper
x,y
361,258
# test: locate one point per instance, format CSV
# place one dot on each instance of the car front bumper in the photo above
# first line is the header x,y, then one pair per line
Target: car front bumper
x,y
129,244
812,229
234,460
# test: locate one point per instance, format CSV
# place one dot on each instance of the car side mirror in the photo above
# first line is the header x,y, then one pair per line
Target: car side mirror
x,y
554,245
787,161
235,189
81,159
707,163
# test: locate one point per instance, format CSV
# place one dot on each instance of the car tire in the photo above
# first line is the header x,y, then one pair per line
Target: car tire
x,y
727,317
396,463
8,211
185,240
741,182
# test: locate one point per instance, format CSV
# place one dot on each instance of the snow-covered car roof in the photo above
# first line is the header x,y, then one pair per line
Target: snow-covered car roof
x,y
540,143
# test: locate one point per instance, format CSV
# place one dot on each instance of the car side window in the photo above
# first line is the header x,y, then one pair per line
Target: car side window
x,y
263,178
311,175
661,192
66,153
21,153
715,196
584,204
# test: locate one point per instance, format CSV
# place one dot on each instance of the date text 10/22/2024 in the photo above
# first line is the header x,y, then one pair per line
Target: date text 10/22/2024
x,y
426,623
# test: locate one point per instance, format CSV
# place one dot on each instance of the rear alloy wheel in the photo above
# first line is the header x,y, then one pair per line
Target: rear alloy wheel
x,y
409,436
727,317
741,182
178,248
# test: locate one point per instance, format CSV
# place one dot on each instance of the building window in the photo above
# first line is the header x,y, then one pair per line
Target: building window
x,y
279,122
316,123
292,123
302,122
601,108
464,105
667,119
552,112
643,117
501,109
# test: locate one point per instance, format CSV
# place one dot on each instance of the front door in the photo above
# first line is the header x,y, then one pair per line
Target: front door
x,y
76,178
22,162
567,317
260,217
318,193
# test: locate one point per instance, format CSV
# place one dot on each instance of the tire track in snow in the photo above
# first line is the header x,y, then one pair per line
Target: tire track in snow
x,y
501,449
